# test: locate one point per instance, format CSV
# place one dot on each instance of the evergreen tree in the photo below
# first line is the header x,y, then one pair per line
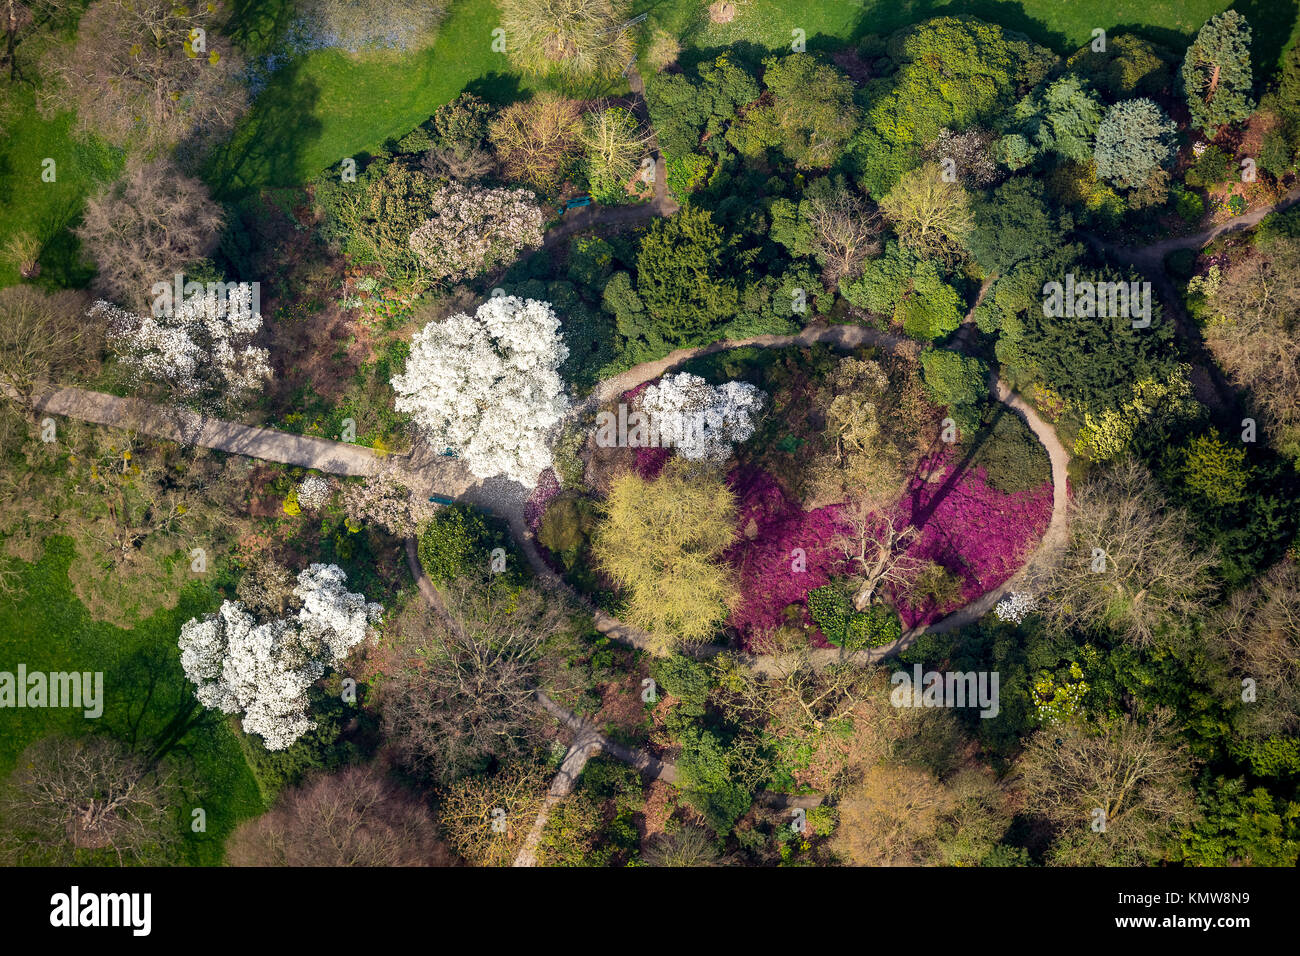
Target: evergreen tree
x,y
1216,73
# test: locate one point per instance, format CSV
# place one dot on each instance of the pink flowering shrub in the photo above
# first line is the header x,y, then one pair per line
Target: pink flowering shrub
x,y
978,533
772,526
548,486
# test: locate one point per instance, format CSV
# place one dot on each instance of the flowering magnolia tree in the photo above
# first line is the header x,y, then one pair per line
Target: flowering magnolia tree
x,y
313,492
202,348
385,501
473,229
263,670
703,421
488,386
1015,607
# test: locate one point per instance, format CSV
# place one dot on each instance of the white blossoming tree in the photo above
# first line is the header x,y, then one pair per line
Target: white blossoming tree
x,y
386,502
313,492
487,386
703,421
1015,607
472,229
263,670
202,348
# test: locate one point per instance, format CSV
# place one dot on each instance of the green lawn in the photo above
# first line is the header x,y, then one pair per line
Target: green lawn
x,y
48,629
326,105
44,209
1063,25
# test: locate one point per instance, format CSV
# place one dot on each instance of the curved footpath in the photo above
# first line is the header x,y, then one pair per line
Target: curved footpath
x,y
429,474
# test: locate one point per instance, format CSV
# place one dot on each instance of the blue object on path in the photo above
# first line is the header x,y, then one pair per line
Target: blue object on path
x,y
574,203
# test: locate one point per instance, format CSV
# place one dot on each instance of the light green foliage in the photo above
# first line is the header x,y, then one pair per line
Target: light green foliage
x,y
372,219
1129,66
1058,697
909,290
791,228
812,114
1214,470
981,66
1241,826
832,611
614,144
953,73
1107,433
685,174
1015,151
458,542
661,543
952,378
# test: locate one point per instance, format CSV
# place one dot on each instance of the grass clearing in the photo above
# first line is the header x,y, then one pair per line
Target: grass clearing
x,y
1063,26
45,210
48,629
327,105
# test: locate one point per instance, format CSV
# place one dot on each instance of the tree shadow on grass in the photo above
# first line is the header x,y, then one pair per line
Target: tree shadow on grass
x,y
1271,24
267,148
256,26
498,89
62,264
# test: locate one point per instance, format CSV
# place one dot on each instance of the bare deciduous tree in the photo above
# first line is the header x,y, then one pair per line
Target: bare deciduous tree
x,y
1133,776
930,213
461,690
24,19
891,817
68,796
1255,334
149,73
686,846
356,817
970,155
486,819
43,338
1127,565
537,140
846,230
876,549
1260,627
149,225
